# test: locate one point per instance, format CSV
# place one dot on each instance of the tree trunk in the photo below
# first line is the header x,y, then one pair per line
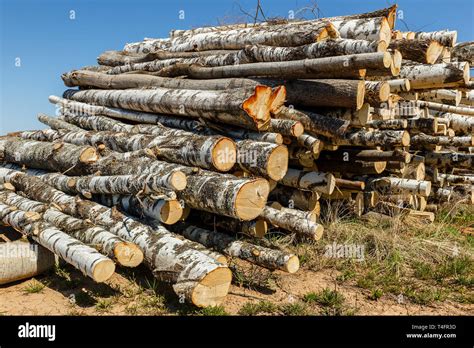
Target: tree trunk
x,y
217,153
304,200
226,194
256,228
160,209
371,29
147,46
245,109
424,140
196,276
265,257
313,144
279,35
293,223
315,123
310,181
419,50
399,85
367,155
56,124
353,167
262,159
327,48
356,118
375,138
423,76
376,92
396,124
449,159
420,187
350,185
51,156
303,215
288,127
322,68
424,125
84,258
444,37
460,123
241,134
23,259
125,253
446,108
443,96
464,52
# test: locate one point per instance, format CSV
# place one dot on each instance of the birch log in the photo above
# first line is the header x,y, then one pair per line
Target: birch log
x,y
424,140
443,96
420,187
23,259
226,194
376,92
55,123
464,52
196,276
376,138
248,109
293,223
446,108
304,200
296,35
444,37
315,123
52,156
328,67
441,75
125,253
418,50
256,228
161,209
371,29
262,159
213,152
265,257
310,181
84,258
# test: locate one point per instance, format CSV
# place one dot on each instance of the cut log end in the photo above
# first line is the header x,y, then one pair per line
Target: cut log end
x,y
379,167
384,92
213,288
277,98
297,129
382,46
128,254
466,73
387,59
258,105
89,155
260,228
433,52
385,31
318,232
293,264
178,181
251,199
224,154
331,183
171,212
103,270
360,94
405,138
277,163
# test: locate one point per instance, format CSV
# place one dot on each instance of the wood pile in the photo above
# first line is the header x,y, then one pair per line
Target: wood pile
x,y
185,151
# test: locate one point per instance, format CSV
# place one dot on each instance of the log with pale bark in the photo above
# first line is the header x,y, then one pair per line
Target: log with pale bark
x,y
437,107
464,52
444,37
247,108
56,123
265,257
86,259
209,152
125,253
291,197
196,276
352,66
418,50
375,138
309,180
376,92
293,223
423,76
22,259
443,96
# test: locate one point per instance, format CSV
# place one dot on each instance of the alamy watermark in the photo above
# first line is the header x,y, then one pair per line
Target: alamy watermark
x,y
346,251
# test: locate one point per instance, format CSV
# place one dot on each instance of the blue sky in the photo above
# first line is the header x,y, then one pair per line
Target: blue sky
x,y
48,42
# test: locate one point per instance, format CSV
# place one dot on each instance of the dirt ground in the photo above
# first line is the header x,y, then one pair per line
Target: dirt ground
x,y
121,293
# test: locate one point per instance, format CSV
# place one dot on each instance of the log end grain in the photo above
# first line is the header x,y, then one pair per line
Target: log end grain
x,y
103,270
178,180
224,154
170,211
382,46
466,73
385,31
213,288
260,228
128,254
258,105
405,138
277,163
277,98
384,92
360,95
89,155
433,52
292,265
251,199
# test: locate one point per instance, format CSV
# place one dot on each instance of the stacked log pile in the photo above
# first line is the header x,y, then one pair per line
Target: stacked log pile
x,y
184,151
